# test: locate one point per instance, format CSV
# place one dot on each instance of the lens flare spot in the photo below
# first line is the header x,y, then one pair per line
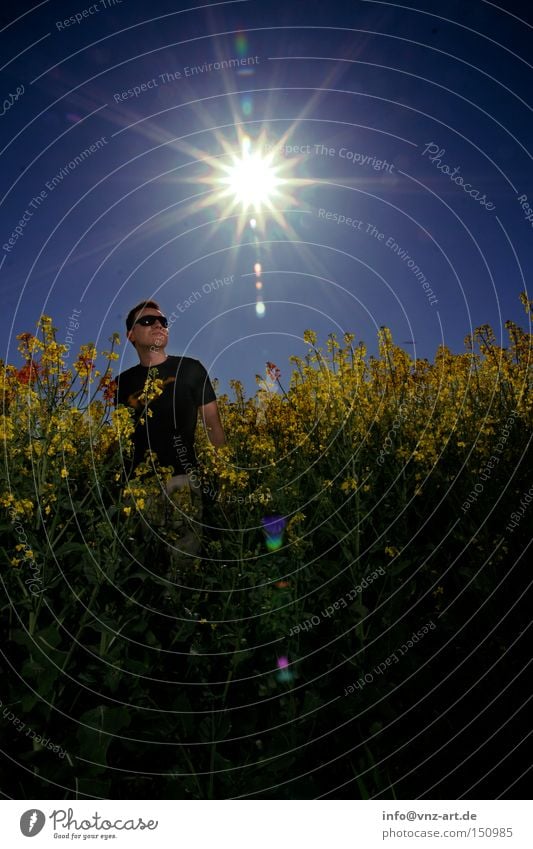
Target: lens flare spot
x,y
258,285
257,268
260,311
284,674
247,106
241,43
253,223
273,527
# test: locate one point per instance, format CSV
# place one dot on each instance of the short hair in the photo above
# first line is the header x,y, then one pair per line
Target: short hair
x,y
130,320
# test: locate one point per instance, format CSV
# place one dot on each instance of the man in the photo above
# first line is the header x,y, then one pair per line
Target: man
x,y
166,424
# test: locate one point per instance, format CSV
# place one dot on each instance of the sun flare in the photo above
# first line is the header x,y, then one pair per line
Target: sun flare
x,y
251,180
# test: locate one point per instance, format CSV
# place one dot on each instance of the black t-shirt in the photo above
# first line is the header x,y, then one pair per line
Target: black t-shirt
x,y
169,431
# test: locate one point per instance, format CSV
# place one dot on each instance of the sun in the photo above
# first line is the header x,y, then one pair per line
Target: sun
x,y
251,180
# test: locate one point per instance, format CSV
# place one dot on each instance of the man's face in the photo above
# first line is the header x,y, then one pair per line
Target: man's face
x,y
153,335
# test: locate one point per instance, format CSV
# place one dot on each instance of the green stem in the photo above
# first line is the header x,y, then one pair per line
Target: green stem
x,y
74,643
54,542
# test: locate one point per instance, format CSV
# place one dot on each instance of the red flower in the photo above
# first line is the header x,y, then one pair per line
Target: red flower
x,y
109,388
25,339
273,372
28,373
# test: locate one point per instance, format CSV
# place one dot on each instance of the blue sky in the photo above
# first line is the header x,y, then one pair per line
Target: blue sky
x,y
403,133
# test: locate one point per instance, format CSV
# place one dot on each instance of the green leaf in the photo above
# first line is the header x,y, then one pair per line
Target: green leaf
x,y
97,731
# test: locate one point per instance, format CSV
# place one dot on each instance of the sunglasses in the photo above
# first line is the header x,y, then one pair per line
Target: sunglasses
x,y
148,320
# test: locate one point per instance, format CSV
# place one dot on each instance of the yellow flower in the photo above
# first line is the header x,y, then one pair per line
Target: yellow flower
x,y
24,507
84,364
29,344
391,550
52,355
126,511
309,337
64,473
153,388
122,423
7,431
349,485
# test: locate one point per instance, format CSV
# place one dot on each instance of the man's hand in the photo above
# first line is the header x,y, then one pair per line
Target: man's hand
x,y
213,425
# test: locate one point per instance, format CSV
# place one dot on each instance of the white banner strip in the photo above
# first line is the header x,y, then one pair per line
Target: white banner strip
x,y
266,824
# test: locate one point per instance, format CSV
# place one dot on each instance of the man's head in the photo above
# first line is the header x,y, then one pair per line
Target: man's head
x,y
144,325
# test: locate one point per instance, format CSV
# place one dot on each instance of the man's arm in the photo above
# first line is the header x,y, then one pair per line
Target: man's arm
x,y
213,425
